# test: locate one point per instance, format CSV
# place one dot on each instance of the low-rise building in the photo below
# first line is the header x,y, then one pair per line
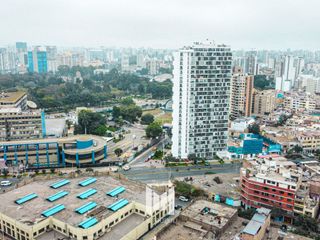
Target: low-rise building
x,y
258,225
100,207
207,216
54,152
278,184
240,125
309,140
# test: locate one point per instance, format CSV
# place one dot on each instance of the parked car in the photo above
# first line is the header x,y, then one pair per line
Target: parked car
x,y
183,199
5,183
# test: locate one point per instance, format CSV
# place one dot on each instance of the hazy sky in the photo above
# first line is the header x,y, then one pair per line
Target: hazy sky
x,y
260,24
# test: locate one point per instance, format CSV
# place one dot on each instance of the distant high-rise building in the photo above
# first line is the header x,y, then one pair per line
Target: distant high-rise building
x,y
289,70
37,60
153,67
201,95
286,74
7,60
21,57
70,59
21,47
51,52
251,63
125,63
241,94
271,63
299,68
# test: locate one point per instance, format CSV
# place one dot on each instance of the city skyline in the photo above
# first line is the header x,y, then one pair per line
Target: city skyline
x,y
166,24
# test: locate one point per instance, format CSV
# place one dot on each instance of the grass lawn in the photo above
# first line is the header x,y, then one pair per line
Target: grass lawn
x,y
153,112
165,118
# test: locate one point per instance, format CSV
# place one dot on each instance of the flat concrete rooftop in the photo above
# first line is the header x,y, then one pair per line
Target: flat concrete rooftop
x,y
217,212
30,212
124,227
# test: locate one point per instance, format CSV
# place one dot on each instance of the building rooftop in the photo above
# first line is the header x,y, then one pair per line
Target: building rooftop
x,y
257,221
31,211
217,216
124,227
55,126
11,97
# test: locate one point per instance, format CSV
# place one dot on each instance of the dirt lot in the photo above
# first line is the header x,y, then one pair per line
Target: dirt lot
x,y
228,187
177,231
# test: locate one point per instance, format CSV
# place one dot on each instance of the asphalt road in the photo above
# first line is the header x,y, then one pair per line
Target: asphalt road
x,y
146,154
13,181
163,174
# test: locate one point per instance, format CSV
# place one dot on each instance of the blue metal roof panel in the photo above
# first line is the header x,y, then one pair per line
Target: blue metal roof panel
x,y
116,191
118,205
53,210
87,193
57,196
26,198
59,184
85,208
87,182
88,223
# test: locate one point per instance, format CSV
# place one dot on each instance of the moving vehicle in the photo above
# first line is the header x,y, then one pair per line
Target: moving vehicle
x,y
126,168
5,183
178,207
183,199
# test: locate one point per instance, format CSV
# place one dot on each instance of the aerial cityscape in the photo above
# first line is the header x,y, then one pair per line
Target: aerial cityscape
x,y
169,120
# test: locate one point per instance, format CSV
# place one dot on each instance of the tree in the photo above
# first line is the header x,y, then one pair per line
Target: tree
x,y
100,130
254,128
91,123
130,113
154,130
158,154
282,119
116,112
127,101
118,152
297,149
170,158
261,82
193,157
147,119
5,172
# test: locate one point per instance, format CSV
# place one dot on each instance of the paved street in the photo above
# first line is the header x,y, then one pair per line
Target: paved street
x,y
140,160
162,174
128,142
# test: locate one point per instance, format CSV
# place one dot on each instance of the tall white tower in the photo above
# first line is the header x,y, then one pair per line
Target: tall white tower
x,y
201,94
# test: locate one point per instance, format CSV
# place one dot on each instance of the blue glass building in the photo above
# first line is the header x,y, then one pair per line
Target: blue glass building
x,y
37,61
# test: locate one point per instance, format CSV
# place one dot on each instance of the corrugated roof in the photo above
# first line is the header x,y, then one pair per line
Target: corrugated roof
x,y
252,227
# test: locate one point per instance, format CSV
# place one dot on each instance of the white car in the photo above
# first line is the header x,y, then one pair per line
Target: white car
x,y
5,183
126,168
183,199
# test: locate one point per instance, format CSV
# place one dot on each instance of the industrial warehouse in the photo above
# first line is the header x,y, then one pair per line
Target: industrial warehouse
x,y
54,152
84,208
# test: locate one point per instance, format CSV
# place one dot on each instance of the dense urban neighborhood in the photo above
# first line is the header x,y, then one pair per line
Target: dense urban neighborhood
x,y
202,141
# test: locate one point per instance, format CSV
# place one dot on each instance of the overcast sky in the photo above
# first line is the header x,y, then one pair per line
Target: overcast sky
x,y
243,24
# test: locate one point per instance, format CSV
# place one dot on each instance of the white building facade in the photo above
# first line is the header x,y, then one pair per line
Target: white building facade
x,y
201,95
